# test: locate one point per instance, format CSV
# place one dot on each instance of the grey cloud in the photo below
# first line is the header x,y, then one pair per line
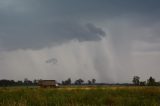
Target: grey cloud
x,y
147,47
36,36
102,8
28,24
52,61
37,24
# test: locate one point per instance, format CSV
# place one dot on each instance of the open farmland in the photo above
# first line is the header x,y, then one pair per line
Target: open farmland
x,y
80,96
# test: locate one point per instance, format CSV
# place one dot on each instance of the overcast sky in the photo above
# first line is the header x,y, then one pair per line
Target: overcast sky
x,y
109,40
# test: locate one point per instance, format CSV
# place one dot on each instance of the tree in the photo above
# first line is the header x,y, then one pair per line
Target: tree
x,y
63,83
136,80
89,82
142,83
27,82
5,82
35,82
67,82
19,82
158,83
79,81
93,81
151,81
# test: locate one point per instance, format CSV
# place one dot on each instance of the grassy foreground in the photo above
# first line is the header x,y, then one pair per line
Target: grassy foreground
x,y
80,96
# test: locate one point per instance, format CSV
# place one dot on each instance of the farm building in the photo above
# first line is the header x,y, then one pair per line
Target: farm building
x,y
47,83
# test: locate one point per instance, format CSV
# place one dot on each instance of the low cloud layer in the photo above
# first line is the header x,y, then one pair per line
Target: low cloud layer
x,y
39,36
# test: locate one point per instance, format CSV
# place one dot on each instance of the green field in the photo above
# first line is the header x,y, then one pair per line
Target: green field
x,y
80,96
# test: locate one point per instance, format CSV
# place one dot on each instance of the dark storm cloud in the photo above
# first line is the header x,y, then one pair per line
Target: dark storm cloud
x,y
103,7
22,28
37,24
39,36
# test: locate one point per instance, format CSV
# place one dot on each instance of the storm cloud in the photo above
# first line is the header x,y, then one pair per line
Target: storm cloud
x,y
40,36
110,40
38,24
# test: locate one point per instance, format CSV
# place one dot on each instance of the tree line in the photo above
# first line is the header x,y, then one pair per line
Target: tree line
x,y
26,82
78,82
150,81
136,81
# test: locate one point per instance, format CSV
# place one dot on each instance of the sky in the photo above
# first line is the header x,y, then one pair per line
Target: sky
x,y
109,40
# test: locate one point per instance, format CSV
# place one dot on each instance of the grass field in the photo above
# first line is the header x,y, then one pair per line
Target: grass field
x,y
80,96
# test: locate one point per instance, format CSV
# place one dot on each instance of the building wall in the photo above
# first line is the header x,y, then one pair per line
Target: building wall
x,y
47,83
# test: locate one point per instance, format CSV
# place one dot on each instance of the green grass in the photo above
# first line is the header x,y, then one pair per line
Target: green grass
x,y
80,96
